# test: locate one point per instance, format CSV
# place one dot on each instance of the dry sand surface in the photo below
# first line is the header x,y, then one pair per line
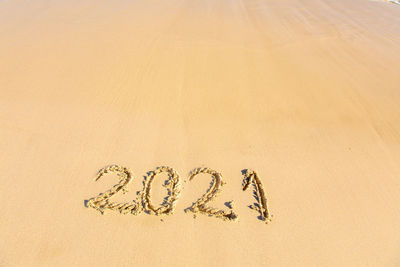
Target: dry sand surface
x,y
304,92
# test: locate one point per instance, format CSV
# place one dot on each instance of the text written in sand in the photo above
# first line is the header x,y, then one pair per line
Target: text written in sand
x,y
143,200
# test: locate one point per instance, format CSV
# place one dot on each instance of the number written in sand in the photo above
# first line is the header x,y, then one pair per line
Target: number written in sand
x,y
143,200
102,202
172,185
200,205
251,177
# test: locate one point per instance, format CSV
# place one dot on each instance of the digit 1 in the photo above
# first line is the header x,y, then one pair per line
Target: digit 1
x,y
251,177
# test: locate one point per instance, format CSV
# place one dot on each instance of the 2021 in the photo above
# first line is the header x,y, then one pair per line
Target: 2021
x,y
143,200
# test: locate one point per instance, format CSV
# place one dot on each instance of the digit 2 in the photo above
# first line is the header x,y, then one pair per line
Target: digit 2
x,y
101,202
200,204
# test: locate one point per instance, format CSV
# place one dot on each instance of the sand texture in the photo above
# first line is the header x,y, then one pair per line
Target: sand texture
x,y
200,206
296,101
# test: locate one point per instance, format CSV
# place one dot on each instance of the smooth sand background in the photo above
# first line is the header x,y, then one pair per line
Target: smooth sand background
x,y
305,92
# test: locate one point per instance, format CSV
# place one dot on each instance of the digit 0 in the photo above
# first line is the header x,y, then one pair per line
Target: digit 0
x,y
173,187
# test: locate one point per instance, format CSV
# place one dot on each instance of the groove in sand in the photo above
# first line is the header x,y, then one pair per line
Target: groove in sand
x,y
200,205
173,186
251,177
102,203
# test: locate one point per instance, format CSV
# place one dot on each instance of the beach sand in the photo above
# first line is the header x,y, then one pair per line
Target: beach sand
x,y
305,93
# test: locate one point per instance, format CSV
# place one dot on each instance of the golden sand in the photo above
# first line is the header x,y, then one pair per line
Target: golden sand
x,y
306,93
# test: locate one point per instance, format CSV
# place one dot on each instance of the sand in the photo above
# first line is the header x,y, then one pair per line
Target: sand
x,y
305,93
